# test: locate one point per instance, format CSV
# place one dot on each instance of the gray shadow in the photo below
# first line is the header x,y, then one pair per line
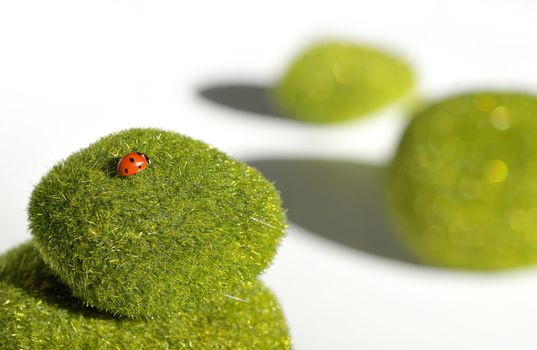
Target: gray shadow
x,y
243,97
337,200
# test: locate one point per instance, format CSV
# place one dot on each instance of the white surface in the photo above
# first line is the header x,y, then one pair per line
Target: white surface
x,y
73,71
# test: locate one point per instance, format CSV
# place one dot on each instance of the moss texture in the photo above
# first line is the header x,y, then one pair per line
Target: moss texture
x,y
191,228
463,183
336,81
38,312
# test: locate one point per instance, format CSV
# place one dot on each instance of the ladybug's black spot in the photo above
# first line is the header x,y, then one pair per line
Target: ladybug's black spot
x,y
126,170
131,160
139,167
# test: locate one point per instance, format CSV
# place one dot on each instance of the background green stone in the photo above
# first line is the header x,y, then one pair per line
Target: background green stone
x,y
336,81
462,185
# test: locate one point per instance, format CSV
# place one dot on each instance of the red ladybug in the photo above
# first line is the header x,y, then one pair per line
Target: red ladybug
x,y
132,163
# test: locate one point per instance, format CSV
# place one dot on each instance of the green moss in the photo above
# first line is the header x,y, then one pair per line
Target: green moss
x,y
38,312
191,228
463,183
338,81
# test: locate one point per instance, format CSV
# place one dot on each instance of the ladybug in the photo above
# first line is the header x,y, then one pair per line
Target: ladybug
x,y
132,164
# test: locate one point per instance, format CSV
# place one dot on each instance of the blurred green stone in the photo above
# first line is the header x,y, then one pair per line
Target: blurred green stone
x,y
337,81
463,184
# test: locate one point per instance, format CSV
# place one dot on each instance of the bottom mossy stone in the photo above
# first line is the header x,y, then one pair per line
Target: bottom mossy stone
x,y
37,311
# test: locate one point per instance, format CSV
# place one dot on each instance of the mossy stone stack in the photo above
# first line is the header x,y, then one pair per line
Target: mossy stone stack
x,y
192,228
463,183
37,311
337,81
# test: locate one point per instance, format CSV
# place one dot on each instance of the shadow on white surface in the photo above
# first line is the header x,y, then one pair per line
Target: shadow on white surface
x,y
337,200
245,97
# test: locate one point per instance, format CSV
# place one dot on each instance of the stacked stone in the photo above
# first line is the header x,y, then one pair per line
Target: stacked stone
x,y
168,258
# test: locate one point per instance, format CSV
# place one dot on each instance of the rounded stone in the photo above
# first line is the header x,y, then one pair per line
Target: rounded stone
x,y
37,311
462,185
193,227
336,81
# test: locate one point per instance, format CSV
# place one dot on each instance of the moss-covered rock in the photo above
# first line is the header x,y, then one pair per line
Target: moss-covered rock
x,y
190,229
336,81
463,183
38,312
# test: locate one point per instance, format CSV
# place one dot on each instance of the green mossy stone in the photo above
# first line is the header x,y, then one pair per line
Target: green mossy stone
x,y
463,183
38,312
338,81
191,228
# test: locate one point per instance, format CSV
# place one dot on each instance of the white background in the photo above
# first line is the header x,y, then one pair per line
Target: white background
x,y
72,71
